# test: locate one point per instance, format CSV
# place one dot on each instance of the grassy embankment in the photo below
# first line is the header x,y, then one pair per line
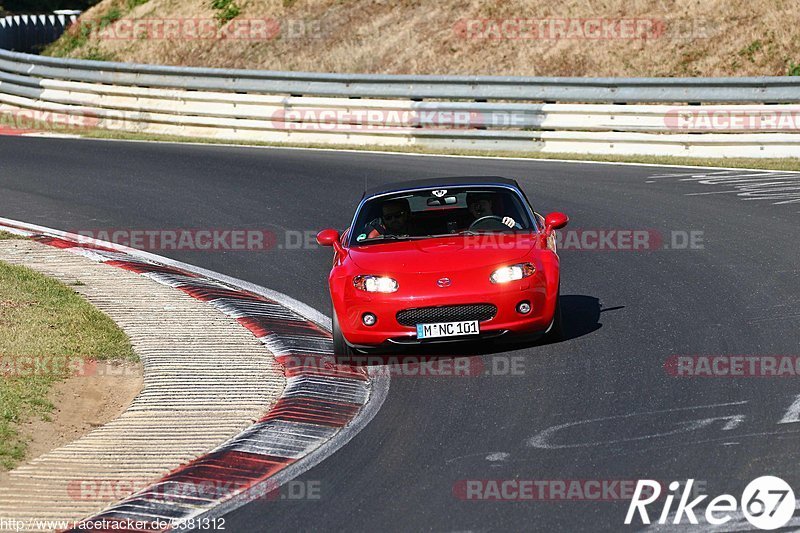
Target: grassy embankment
x,y
46,328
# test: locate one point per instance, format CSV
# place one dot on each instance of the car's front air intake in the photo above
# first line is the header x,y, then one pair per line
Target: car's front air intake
x,y
446,313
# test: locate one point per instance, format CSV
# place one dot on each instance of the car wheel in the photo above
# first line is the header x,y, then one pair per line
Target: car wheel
x,y
340,347
556,333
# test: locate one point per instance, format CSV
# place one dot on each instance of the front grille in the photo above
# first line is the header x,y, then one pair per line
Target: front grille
x,y
446,313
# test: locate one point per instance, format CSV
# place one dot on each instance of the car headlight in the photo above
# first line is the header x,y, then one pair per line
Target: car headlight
x,y
375,284
512,273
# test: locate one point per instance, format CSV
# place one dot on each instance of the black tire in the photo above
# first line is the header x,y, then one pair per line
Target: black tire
x,y
556,333
340,347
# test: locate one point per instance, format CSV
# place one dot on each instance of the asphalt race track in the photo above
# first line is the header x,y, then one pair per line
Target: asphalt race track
x,y
627,312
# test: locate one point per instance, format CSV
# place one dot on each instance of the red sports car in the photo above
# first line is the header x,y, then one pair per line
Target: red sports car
x,y
443,259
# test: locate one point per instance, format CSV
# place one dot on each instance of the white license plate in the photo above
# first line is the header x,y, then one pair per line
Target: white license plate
x,y
447,329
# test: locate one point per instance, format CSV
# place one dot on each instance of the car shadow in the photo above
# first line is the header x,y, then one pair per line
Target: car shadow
x,y
581,316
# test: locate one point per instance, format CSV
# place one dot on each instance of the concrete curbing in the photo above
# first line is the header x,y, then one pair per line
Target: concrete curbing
x,y
176,337
321,408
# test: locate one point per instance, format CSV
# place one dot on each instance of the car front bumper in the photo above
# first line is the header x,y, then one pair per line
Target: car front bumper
x,y
388,332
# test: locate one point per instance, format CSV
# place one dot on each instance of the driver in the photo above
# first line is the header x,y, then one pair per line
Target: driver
x,y
480,205
395,219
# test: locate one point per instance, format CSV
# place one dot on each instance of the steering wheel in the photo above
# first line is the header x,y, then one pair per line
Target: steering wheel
x,y
489,223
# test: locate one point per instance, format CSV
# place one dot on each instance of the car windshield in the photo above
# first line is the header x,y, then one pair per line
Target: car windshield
x,y
440,212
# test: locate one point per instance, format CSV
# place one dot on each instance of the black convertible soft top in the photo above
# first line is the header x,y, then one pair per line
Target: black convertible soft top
x,y
399,186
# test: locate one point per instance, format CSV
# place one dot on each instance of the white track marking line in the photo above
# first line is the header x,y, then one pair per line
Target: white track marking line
x,y
541,439
777,187
793,413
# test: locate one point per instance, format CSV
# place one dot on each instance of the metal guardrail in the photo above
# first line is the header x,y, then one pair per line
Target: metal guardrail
x,y
481,112
393,116
588,90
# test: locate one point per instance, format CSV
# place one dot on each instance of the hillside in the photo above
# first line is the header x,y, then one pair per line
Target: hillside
x,y
513,37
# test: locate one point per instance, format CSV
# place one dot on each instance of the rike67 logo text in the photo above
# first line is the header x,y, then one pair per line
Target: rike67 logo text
x,y
767,503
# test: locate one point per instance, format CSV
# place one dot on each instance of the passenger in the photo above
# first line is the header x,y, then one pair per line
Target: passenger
x,y
480,205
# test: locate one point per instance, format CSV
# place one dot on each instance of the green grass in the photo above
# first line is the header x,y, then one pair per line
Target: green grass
x,y
765,163
750,50
4,235
78,35
226,10
45,321
110,16
75,37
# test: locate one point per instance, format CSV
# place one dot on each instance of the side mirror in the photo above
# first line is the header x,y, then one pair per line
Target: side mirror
x,y
555,221
330,237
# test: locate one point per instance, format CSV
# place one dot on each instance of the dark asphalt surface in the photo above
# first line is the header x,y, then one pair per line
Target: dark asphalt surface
x,y
626,312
